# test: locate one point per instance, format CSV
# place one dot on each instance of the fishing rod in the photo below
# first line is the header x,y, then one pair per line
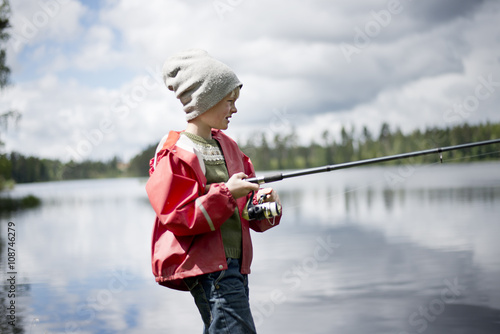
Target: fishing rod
x,y
329,168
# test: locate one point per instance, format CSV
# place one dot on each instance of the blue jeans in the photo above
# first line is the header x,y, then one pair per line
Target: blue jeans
x,y
222,299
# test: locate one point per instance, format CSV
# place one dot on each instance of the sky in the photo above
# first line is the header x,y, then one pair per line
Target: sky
x,y
86,75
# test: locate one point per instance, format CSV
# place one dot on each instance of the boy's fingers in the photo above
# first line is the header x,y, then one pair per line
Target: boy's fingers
x,y
253,186
241,175
265,191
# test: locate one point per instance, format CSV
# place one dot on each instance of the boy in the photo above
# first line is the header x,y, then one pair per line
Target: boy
x,y
197,188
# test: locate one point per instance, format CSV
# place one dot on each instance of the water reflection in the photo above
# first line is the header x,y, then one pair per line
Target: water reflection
x,y
354,254
392,198
401,246
373,284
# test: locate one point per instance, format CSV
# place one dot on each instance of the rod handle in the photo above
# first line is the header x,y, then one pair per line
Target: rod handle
x,y
266,179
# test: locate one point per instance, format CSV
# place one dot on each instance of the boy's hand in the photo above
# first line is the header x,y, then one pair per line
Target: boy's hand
x,y
239,187
271,195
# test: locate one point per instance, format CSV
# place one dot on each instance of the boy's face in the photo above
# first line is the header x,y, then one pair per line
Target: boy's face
x,y
218,116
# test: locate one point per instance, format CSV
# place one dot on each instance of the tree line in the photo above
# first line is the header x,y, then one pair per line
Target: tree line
x,y
283,151
23,169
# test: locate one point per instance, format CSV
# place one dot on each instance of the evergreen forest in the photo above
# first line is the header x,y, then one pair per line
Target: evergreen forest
x,y
280,152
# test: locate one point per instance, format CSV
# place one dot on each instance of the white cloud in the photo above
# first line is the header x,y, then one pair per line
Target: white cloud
x,y
62,118
288,55
43,21
97,50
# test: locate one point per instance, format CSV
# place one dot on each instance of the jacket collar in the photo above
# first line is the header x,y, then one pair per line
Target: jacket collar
x,y
170,144
173,137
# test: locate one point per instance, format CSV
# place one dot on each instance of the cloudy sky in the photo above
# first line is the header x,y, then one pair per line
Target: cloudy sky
x,y
87,74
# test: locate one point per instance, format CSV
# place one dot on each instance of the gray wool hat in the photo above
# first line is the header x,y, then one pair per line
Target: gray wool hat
x,y
198,80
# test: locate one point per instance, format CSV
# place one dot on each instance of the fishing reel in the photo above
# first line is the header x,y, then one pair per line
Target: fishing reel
x,y
261,210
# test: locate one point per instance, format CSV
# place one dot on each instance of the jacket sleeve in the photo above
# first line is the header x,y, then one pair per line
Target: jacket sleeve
x,y
180,201
264,224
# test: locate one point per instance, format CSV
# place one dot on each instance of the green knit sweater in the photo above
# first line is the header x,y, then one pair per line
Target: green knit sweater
x,y
216,172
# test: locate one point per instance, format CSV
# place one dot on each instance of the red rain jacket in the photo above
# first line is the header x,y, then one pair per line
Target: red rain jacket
x,y
186,239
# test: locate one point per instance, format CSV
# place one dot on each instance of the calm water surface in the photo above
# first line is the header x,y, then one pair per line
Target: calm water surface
x,y
398,250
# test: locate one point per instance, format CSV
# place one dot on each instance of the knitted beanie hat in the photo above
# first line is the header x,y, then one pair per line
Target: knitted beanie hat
x,y
198,80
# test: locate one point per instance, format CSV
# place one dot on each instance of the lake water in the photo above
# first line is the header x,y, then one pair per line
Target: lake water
x,y
401,250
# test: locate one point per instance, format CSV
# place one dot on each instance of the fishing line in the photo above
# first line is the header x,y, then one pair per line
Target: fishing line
x,y
416,167
474,156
